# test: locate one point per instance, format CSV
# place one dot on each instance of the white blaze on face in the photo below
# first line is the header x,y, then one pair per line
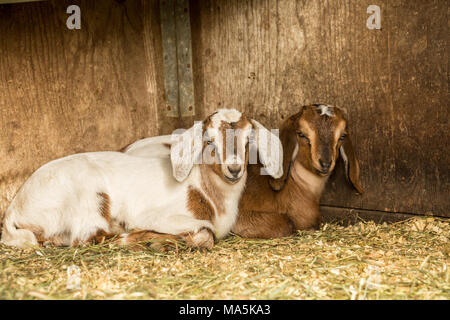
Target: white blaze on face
x,y
236,141
214,133
326,110
227,115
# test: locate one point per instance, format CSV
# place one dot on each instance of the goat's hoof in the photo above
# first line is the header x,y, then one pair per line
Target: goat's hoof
x,y
201,239
162,246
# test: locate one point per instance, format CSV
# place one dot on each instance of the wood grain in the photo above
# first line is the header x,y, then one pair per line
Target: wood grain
x,y
268,57
99,88
348,216
65,91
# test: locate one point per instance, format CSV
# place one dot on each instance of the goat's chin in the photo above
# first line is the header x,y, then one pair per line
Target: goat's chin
x,y
321,173
231,180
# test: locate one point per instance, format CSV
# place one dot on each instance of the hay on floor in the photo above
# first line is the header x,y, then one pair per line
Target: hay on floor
x,y
406,260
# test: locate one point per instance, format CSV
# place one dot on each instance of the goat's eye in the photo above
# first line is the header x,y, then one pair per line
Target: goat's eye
x,y
302,135
211,145
342,137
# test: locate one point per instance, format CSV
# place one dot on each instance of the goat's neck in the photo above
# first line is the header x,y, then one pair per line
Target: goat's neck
x,y
300,198
223,196
212,188
311,183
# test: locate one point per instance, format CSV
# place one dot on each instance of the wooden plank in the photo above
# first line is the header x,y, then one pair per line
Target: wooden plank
x,y
269,57
65,91
153,64
177,51
169,45
184,57
17,1
347,216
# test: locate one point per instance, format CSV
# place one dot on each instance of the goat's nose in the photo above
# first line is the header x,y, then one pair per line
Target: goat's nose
x,y
234,169
325,165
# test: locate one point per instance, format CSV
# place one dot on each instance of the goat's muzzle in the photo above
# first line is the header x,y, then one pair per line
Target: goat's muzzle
x,y
234,173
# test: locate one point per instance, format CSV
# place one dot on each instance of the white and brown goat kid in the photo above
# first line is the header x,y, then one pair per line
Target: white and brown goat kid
x,y
312,141
87,197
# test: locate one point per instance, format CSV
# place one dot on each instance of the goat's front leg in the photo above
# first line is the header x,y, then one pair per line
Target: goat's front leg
x,y
305,218
196,233
201,239
164,242
159,241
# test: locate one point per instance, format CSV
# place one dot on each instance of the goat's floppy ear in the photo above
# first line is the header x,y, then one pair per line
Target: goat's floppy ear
x,y
270,150
290,146
185,150
350,163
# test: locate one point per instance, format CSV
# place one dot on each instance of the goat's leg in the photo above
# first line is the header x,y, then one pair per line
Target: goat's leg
x,y
305,218
197,233
203,238
171,228
158,241
264,225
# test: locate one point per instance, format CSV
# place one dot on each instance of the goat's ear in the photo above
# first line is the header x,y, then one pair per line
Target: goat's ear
x,y
290,148
185,150
270,150
350,163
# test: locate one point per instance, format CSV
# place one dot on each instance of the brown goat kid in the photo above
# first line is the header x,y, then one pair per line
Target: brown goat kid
x,y
312,141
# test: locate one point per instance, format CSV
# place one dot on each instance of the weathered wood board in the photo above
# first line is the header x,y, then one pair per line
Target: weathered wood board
x,y
65,91
99,88
269,57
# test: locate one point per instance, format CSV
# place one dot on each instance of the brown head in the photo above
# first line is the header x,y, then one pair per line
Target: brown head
x,y
316,137
222,143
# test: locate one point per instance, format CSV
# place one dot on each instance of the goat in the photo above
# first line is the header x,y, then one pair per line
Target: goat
x,y
153,147
312,140
87,197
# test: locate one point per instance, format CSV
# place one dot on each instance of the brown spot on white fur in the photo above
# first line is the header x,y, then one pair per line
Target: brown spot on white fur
x,y
200,207
105,206
214,193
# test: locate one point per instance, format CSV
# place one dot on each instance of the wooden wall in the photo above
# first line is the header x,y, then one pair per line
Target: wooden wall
x,y
268,57
99,88
65,91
